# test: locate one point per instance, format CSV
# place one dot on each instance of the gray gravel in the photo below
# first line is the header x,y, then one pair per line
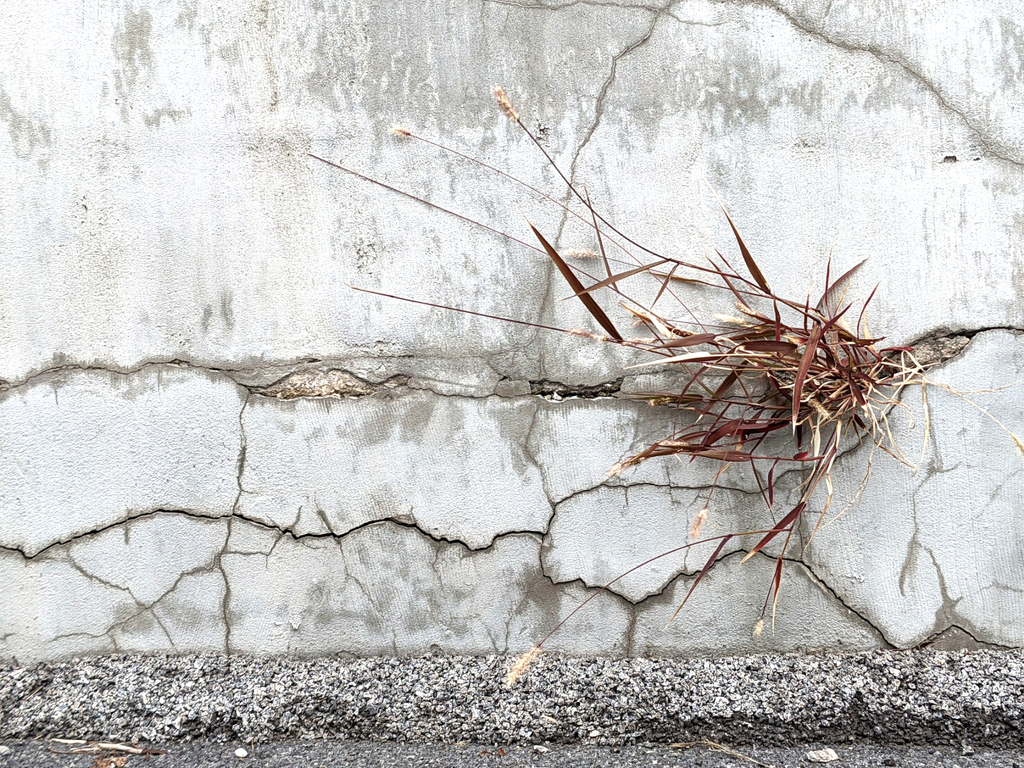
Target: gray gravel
x,y
927,698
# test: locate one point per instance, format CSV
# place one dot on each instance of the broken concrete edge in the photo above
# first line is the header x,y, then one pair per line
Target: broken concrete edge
x,y
318,378
906,697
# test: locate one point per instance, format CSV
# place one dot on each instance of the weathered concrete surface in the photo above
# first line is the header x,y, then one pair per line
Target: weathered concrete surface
x,y
942,546
209,442
456,469
83,450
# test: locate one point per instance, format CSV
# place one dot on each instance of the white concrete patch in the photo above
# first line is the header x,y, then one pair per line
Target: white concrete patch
x,y
149,556
54,610
457,468
577,442
154,585
600,535
84,450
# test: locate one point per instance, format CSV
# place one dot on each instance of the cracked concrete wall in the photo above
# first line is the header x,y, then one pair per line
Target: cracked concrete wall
x,y
209,443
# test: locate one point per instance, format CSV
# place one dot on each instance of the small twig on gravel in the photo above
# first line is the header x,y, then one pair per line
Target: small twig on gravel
x,y
82,746
716,747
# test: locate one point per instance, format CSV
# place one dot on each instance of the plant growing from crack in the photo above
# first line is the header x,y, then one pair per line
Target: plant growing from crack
x,y
783,384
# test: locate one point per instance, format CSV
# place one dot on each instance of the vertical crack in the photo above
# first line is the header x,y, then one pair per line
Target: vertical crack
x,y
608,83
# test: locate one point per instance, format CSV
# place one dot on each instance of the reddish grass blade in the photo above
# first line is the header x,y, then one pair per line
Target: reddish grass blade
x,y
725,386
784,523
664,284
732,456
577,287
703,572
784,347
771,484
691,341
748,259
833,294
801,374
776,586
612,279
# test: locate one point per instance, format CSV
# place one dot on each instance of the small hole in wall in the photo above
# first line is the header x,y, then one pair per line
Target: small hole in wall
x,y
949,159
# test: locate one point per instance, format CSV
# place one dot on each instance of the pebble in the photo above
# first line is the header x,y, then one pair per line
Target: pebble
x,y
827,755
241,753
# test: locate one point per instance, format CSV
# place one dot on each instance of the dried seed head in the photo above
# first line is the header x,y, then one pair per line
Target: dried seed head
x,y
698,523
663,400
584,334
729,320
397,130
580,253
1019,443
620,466
759,628
505,104
819,409
521,665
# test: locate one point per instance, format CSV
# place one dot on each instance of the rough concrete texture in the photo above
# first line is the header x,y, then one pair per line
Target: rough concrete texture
x,y
210,443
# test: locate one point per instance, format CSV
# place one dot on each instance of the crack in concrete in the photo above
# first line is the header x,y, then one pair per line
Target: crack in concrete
x,y
959,341
571,4
608,483
610,80
937,637
827,588
948,607
225,600
807,26
947,338
683,575
284,531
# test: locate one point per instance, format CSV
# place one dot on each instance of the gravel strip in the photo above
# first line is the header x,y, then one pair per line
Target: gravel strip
x,y
910,697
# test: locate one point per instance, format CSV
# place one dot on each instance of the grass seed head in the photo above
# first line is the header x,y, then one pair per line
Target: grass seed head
x,y
397,130
698,522
505,103
521,665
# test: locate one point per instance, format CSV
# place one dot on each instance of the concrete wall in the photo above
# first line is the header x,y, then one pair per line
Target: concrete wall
x,y
208,443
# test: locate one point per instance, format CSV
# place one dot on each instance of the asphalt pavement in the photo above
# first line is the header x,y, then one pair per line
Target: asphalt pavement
x,y
347,754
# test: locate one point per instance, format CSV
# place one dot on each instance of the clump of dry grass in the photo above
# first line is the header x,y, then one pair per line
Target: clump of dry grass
x,y
781,383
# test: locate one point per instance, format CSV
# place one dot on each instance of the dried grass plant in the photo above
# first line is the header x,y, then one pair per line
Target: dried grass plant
x,y
782,383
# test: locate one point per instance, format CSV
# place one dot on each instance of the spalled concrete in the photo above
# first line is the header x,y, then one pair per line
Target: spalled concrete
x,y
209,442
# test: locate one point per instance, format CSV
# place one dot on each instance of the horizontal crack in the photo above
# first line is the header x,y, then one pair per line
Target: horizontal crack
x,y
651,484
330,378
284,530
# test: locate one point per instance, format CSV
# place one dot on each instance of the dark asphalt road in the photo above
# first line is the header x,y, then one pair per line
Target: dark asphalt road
x,y
330,754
